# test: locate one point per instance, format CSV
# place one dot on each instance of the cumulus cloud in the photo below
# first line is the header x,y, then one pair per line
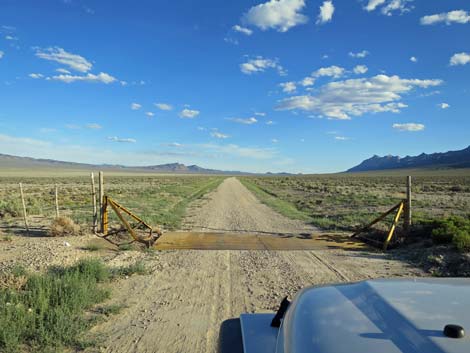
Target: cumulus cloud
x,y
356,97
246,121
408,127
326,12
260,64
444,105
123,140
36,76
360,55
341,138
458,16
163,106
414,59
288,87
360,69
219,135
94,126
62,71
188,113
307,81
280,15
59,55
243,30
1,54
274,140
260,114
102,77
331,71
136,106
460,59
150,114
270,122
388,7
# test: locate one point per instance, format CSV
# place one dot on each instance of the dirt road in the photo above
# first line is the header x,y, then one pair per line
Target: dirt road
x,y
233,208
182,304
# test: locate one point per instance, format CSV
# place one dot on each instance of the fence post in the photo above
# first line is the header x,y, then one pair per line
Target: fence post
x,y
25,216
56,201
408,204
101,199
93,199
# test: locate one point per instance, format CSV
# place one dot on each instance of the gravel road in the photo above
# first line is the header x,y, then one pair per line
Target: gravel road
x,y
182,304
233,208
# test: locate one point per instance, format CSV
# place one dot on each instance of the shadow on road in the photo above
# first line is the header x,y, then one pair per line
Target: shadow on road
x,y
230,337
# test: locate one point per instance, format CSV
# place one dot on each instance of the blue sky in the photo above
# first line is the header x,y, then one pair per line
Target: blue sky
x,y
284,85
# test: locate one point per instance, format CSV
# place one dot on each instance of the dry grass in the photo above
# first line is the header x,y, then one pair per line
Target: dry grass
x,y
63,226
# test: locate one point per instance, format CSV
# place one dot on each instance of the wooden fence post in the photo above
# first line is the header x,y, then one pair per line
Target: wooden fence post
x,y
93,199
56,201
101,199
408,204
25,216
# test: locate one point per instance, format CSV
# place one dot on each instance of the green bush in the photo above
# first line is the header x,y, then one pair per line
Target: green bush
x,y
455,230
47,313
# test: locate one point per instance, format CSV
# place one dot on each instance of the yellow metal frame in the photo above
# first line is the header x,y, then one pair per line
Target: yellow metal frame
x,y
399,208
154,234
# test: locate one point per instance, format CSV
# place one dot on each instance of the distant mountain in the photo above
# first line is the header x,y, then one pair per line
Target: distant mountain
x,y
16,162
451,159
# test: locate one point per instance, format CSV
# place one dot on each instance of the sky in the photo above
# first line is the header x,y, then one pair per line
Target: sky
x,y
307,86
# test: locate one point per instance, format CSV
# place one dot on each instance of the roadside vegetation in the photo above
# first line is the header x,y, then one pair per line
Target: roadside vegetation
x,y
52,311
160,200
345,202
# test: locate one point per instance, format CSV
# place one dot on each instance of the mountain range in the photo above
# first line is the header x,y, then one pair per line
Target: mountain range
x,y
450,159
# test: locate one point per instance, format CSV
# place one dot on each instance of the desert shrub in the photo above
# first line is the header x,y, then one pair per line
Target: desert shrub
x,y
63,226
135,268
462,240
454,230
47,312
9,208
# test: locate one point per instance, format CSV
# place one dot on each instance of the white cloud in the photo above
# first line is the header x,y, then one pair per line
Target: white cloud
x,y
244,152
359,55
409,127
460,59
247,121
341,138
373,4
219,135
173,144
62,71
360,69
72,126
119,139
389,6
36,76
331,71
150,114
356,97
274,140
280,15
260,114
163,106
94,126
413,59
270,122
2,54
307,81
188,113
102,77
74,61
260,64
326,12
243,30
458,16
136,106
444,105
10,141
288,87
